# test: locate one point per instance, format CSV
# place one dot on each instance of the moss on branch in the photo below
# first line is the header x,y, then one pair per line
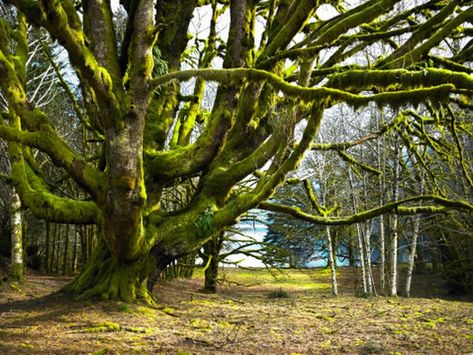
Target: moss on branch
x,y
437,80
399,207
48,142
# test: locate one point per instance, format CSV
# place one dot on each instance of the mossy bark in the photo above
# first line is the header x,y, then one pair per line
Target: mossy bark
x,y
17,268
212,258
108,278
211,276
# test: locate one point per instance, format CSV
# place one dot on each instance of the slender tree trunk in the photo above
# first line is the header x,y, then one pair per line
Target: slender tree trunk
x,y
74,251
65,264
331,262
382,190
382,251
362,261
17,268
366,233
351,253
83,244
335,240
47,256
415,234
53,248
395,221
57,255
212,259
420,260
359,233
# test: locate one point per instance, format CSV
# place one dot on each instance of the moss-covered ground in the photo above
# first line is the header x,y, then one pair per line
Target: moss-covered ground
x,y
254,312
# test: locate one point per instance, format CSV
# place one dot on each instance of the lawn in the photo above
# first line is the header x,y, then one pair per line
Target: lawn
x,y
255,312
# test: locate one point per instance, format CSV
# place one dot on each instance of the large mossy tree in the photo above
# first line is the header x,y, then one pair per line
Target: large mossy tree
x,y
155,137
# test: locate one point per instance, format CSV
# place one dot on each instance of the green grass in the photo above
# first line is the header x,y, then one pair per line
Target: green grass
x,y
304,279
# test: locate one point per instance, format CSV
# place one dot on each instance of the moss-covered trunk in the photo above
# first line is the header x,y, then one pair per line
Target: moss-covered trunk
x,y
211,258
121,263
17,268
107,277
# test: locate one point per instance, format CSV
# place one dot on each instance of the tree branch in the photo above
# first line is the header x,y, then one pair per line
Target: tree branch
x,y
396,207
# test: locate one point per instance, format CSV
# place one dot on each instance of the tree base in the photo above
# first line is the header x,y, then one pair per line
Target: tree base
x,y
107,278
17,273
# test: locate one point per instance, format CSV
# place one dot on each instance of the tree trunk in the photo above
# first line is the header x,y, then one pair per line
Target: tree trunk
x,y
331,262
47,252
65,269
395,220
382,251
106,277
17,268
212,259
420,260
382,191
415,234
53,248
73,266
211,275
367,246
57,248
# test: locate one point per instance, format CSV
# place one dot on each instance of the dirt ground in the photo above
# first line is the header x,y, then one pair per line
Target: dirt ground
x,y
253,313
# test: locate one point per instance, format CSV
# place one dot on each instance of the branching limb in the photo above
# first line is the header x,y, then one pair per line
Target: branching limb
x,y
399,207
61,154
438,84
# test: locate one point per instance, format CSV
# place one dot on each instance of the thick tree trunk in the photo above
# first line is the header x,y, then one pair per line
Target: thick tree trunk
x,y
17,268
107,277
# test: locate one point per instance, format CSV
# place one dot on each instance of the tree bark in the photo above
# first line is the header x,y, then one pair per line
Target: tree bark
x,y
382,250
412,254
211,261
331,262
395,220
17,267
65,266
47,252
107,277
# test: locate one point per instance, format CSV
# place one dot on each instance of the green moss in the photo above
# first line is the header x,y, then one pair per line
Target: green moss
x,y
141,330
17,272
147,311
103,327
168,310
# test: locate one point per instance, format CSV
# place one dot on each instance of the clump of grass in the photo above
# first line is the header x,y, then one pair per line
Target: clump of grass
x,y
103,327
278,294
124,307
372,348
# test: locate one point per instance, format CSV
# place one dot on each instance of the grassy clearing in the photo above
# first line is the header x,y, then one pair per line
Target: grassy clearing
x,y
242,318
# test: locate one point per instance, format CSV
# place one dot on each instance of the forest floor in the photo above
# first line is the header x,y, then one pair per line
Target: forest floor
x,y
254,312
